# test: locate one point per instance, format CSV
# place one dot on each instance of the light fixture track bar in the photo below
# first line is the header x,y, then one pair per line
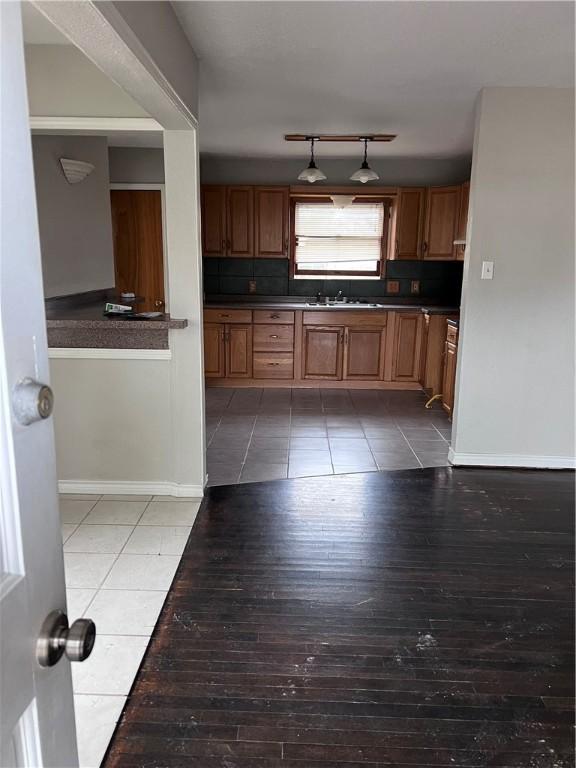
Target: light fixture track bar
x,y
339,137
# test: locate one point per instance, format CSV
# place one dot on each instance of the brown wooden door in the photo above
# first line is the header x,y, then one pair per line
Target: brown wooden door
x,y
322,353
449,377
410,222
442,212
213,220
214,350
239,351
462,219
240,221
138,251
363,353
271,206
407,346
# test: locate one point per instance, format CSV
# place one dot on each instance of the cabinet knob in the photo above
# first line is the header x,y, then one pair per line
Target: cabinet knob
x,y
273,335
274,316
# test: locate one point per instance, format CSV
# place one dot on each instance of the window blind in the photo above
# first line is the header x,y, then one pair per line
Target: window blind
x,y
337,239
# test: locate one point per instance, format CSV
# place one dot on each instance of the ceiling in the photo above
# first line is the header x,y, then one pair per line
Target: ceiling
x,y
38,30
410,68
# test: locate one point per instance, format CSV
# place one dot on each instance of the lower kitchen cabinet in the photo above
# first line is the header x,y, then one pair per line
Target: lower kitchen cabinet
x,y
433,349
239,351
449,376
407,346
322,352
364,353
374,349
227,350
214,350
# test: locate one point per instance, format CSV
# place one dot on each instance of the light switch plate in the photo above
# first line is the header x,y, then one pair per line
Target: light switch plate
x,y
487,270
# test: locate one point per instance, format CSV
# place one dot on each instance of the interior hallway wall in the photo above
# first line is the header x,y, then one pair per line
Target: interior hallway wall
x,y
515,403
75,219
136,165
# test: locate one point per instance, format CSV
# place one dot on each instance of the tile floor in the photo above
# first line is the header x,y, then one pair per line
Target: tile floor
x,y
121,553
270,434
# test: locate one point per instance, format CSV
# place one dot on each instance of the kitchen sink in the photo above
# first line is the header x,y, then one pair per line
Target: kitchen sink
x,y
343,305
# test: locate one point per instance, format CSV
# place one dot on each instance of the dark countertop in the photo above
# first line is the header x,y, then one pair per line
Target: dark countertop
x,y
91,316
453,323
303,305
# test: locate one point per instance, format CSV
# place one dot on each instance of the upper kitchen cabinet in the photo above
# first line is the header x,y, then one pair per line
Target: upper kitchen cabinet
x,y
462,220
441,223
271,220
213,220
240,221
409,222
245,221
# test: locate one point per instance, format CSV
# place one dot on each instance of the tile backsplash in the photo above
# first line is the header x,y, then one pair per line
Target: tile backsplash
x,y
441,280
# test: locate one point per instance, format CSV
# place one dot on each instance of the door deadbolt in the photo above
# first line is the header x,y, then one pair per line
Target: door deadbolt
x,y
57,638
32,401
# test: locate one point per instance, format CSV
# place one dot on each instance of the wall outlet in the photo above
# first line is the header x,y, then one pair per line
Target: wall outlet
x,y
415,286
487,270
251,286
392,286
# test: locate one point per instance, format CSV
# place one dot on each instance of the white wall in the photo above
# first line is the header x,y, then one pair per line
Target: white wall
x,y
62,82
515,403
75,219
117,426
136,165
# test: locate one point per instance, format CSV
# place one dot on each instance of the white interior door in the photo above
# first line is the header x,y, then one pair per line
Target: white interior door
x,y
37,716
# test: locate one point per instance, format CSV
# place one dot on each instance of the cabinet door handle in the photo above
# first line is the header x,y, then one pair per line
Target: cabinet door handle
x,y
273,364
274,317
273,335
397,248
223,246
223,315
424,246
286,245
229,245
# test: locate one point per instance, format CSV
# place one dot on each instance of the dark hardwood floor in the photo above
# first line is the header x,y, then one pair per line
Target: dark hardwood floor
x,y
419,618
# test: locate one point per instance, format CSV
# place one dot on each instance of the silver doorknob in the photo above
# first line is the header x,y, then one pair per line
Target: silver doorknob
x,y
57,638
32,401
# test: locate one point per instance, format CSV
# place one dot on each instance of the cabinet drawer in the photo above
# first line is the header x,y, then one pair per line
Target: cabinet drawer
x,y
273,316
344,317
452,334
273,338
227,315
273,365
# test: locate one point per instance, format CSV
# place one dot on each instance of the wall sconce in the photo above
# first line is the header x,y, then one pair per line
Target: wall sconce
x,y
75,170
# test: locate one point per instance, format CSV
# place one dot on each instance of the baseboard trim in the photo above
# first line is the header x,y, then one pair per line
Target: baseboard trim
x,y
129,487
510,460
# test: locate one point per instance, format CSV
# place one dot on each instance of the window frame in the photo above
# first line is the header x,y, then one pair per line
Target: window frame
x,y
325,200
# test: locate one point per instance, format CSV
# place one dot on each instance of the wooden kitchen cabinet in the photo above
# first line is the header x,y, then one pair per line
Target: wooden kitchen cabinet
x,y
239,351
407,346
449,375
213,220
214,350
227,346
240,221
441,222
245,221
462,219
271,220
409,222
433,348
322,352
364,353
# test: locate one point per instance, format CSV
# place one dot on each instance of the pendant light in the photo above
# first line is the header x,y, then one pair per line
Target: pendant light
x,y
364,173
311,173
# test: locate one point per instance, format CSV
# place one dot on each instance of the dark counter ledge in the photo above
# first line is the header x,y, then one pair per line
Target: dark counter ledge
x,y
79,322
